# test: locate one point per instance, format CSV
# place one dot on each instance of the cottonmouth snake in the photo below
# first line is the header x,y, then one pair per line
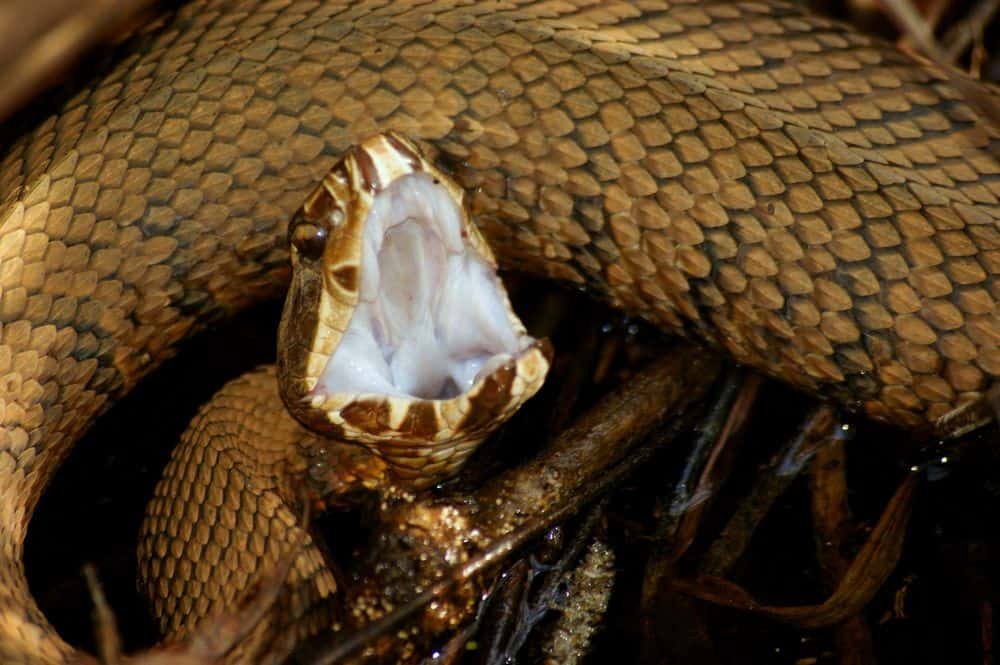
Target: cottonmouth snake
x,y
812,201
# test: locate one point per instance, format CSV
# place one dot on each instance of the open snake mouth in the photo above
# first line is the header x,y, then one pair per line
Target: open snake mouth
x,y
397,332
432,317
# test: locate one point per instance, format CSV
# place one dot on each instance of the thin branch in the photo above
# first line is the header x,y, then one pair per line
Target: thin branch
x,y
960,36
912,25
818,430
718,465
584,462
831,525
531,611
109,644
717,419
866,574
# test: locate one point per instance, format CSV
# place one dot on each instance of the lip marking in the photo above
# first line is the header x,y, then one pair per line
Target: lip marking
x,y
404,151
367,171
368,373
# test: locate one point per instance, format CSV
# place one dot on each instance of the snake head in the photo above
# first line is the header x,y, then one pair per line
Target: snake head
x,y
397,332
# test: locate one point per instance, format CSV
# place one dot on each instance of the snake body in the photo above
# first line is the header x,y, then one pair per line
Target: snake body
x,y
817,204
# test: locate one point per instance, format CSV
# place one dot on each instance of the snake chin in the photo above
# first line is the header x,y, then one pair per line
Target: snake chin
x,y
432,317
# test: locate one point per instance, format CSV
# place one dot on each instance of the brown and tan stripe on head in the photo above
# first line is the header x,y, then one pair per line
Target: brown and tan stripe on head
x,y
397,332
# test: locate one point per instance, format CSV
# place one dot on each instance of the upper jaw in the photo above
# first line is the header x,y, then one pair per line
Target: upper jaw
x,y
412,346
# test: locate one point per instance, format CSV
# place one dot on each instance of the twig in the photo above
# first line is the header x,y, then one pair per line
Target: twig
x,y
831,521
960,36
601,438
608,351
109,645
911,23
530,613
686,632
584,462
574,380
866,574
718,466
496,553
715,421
818,429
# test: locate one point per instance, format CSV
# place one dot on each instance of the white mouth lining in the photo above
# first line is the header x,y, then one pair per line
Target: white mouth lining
x,y
432,316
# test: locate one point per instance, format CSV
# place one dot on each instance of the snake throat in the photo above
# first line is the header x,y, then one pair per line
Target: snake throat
x,y
397,332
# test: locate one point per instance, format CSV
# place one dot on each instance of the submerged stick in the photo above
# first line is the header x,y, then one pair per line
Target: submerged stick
x,y
815,432
831,516
585,461
865,576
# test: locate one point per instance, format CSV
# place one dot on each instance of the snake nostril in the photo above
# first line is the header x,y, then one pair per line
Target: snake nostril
x,y
308,238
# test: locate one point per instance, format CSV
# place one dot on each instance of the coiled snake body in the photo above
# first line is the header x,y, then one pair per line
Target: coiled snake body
x,y
815,203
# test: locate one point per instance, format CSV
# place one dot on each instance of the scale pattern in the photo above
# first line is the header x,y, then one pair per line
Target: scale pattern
x,y
227,510
806,198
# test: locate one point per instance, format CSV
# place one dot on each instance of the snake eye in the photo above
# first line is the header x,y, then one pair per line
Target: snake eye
x,y
309,238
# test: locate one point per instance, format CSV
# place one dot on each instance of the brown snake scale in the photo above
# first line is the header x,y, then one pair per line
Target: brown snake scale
x,y
205,551
808,199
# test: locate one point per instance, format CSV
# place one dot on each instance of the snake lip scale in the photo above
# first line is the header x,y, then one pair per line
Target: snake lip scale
x,y
396,331
811,201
